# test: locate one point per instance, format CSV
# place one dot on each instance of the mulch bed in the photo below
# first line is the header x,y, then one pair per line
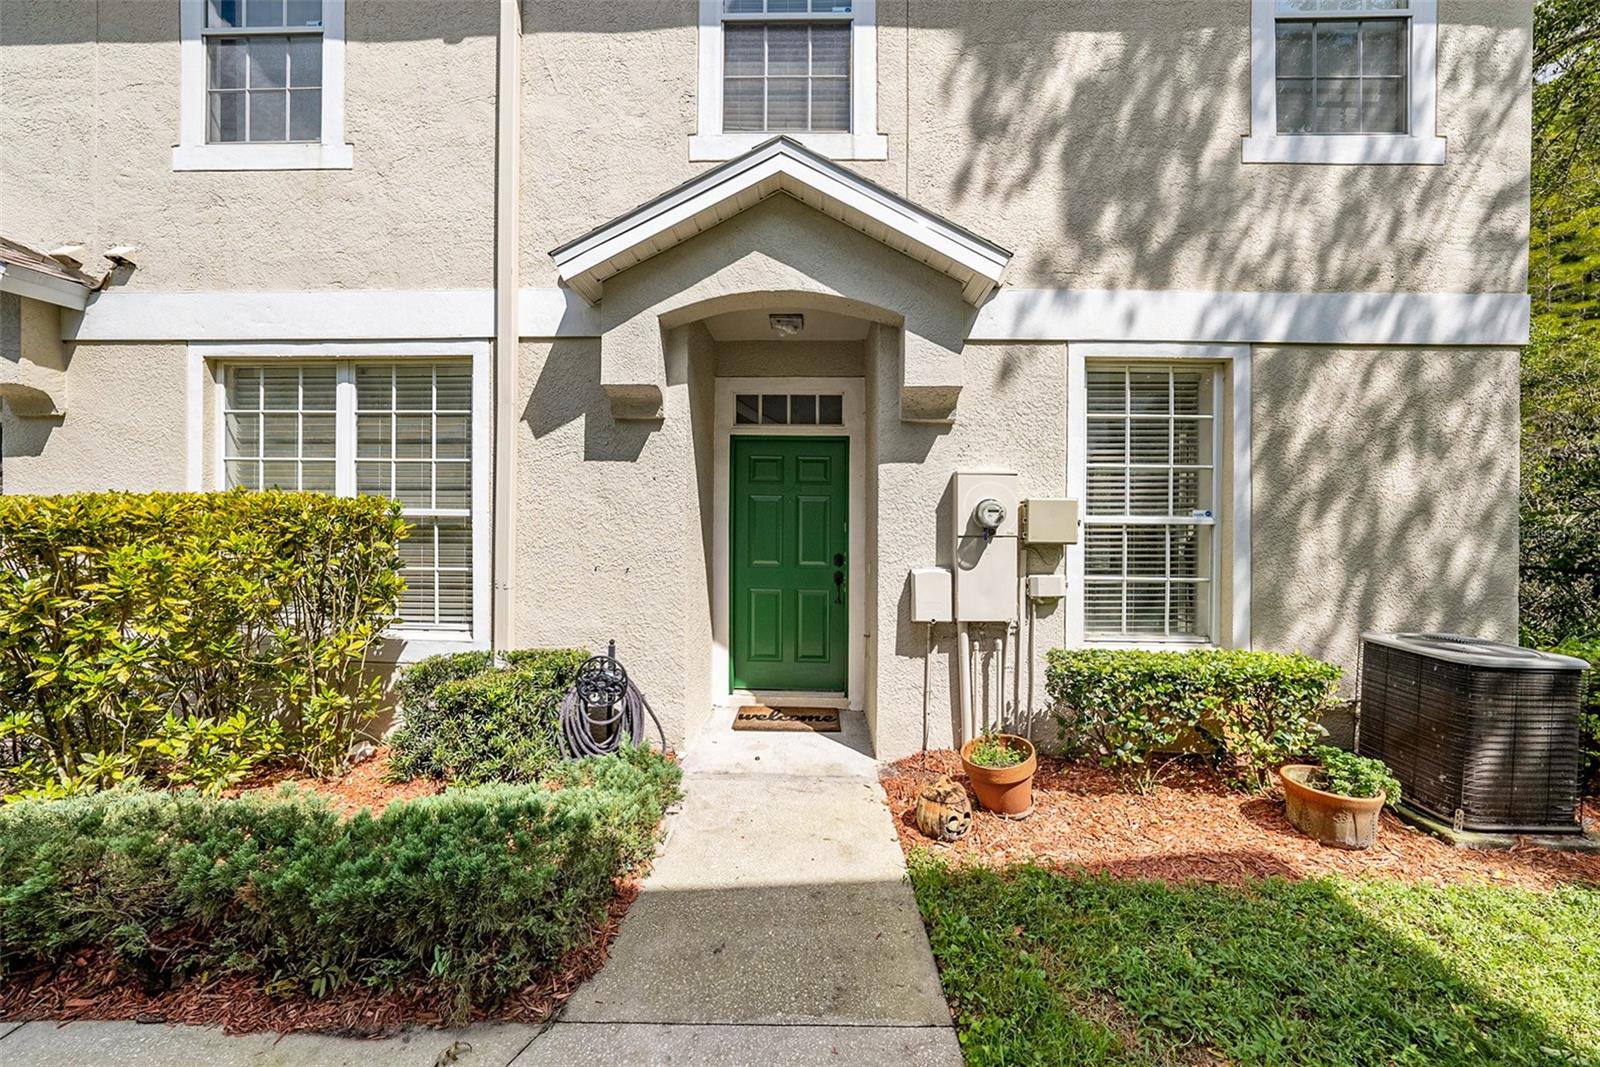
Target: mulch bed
x,y
90,986
1192,827
363,786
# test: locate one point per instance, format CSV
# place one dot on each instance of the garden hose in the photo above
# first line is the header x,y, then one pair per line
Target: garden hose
x,y
604,701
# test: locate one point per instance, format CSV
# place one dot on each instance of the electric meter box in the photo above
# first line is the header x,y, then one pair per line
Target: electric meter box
x,y
930,594
984,522
1050,521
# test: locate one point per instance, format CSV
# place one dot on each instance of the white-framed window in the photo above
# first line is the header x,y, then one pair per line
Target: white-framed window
x,y
803,68
1150,556
1159,455
262,84
400,428
1343,81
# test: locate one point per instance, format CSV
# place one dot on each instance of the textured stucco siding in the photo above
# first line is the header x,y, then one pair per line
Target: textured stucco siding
x,y
1384,495
1101,143
124,426
91,102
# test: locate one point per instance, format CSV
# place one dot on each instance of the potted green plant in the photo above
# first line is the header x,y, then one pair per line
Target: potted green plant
x,y
1001,768
1337,799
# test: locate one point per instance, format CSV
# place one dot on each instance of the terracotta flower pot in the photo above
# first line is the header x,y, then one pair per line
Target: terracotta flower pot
x,y
1004,790
1339,821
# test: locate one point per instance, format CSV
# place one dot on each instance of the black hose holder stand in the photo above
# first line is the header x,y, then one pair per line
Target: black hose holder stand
x,y
604,710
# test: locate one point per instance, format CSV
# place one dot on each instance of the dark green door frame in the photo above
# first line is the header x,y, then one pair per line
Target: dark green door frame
x,y
788,559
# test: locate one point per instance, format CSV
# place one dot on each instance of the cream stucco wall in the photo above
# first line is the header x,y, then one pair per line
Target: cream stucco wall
x,y
124,425
1099,142
1385,488
91,98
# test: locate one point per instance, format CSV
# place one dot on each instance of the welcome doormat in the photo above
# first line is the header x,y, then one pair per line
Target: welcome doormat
x,y
761,717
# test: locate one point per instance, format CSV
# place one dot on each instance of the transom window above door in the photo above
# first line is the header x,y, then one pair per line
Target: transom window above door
x,y
788,409
806,69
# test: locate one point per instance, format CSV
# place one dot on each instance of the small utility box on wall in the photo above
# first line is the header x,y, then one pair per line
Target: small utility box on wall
x,y
1050,521
930,594
984,524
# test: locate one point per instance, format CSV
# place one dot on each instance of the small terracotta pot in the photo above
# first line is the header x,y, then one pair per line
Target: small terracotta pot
x,y
1004,790
1342,822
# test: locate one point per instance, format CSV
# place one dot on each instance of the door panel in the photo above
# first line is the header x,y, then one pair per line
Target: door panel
x,y
788,537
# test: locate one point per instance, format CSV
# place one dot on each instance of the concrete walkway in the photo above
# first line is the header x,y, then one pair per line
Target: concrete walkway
x,y
775,928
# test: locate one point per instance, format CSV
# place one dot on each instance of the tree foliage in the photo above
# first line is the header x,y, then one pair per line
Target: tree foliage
x,y
1561,366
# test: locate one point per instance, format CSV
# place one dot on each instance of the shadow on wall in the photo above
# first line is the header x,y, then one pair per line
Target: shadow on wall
x,y
1146,185
568,389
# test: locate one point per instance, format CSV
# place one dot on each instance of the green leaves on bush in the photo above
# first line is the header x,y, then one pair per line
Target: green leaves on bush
x,y
1254,709
476,890
468,721
1350,775
1587,648
225,627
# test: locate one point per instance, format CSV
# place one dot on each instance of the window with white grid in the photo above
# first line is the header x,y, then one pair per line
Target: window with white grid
x,y
263,70
414,443
401,430
1342,66
786,66
1150,502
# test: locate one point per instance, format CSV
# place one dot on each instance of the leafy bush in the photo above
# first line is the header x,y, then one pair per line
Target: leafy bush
x,y
163,617
1254,709
992,751
475,891
1587,648
466,720
1350,775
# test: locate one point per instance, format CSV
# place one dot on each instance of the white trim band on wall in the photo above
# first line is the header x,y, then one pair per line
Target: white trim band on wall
x,y
1372,319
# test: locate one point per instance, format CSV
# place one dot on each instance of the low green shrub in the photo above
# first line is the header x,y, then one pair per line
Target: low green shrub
x,y
473,892
1350,775
1587,648
163,617
465,720
1253,709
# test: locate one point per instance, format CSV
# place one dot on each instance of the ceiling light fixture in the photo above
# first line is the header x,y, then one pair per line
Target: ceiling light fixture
x,y
787,323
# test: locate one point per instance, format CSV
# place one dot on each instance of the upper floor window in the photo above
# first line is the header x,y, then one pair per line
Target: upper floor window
x,y
805,68
789,71
263,70
1343,81
262,85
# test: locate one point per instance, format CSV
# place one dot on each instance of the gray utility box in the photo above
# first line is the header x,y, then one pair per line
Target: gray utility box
x,y
1483,736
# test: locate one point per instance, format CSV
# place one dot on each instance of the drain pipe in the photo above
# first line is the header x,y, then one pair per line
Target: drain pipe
x,y
964,680
507,285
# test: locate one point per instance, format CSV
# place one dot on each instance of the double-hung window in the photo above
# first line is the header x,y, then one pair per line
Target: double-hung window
x,y
1150,502
396,429
804,68
262,85
1343,81
263,70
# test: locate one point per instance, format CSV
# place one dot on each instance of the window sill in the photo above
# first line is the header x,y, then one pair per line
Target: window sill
x,y
1344,148
1176,644
263,157
718,147
409,646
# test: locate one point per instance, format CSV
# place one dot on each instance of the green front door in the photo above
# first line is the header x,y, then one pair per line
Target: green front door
x,y
788,598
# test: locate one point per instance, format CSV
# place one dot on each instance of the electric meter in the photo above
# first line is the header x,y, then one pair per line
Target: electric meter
x,y
990,513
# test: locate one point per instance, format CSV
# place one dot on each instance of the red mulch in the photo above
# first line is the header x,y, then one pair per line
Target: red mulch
x,y
1192,827
90,986
362,786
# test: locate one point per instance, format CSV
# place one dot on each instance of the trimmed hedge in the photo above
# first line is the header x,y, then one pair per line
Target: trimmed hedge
x,y
465,720
475,891
183,636
1254,709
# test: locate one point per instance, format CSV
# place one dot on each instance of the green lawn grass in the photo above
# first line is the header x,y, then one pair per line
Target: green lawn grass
x,y
1049,968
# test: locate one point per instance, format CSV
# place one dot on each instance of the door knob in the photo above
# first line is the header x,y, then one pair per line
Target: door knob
x,y
838,587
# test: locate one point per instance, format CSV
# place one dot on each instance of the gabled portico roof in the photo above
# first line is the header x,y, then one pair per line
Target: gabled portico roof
x,y
780,165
